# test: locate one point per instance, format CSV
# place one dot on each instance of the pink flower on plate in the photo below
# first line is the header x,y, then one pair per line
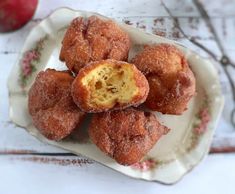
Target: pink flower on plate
x,y
204,119
145,165
204,114
28,58
26,68
31,55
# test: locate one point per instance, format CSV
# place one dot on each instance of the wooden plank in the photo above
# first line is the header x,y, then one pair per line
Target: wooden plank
x,y
30,174
220,8
110,8
16,140
153,19
121,8
159,25
29,166
11,43
61,160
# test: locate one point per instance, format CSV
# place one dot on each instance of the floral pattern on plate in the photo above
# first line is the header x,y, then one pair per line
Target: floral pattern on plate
x,y
29,61
181,149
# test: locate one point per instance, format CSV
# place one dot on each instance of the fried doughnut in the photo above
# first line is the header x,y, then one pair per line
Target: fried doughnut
x,y
109,84
126,135
51,105
171,81
93,39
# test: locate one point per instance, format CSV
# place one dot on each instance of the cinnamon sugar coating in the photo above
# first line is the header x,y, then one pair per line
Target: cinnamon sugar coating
x,y
171,81
93,39
126,135
51,105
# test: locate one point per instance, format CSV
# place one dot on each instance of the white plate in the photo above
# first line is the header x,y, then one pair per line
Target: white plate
x,y
175,154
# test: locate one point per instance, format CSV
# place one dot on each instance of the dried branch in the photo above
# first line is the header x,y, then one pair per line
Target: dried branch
x,y
191,39
206,18
225,61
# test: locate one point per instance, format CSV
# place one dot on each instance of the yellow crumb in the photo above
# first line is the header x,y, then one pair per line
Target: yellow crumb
x,y
110,84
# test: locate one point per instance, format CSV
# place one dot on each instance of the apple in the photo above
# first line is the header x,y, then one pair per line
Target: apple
x,y
16,13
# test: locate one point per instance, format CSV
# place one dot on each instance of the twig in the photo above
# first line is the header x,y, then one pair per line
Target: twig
x,y
224,61
177,25
206,18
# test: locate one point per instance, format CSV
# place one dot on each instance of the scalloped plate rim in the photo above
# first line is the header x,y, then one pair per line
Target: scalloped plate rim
x,y
219,96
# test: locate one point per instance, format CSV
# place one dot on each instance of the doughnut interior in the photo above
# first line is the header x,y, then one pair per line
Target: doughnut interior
x,y
110,84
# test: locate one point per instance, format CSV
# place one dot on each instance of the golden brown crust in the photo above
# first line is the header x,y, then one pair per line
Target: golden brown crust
x,y
171,81
93,40
51,105
83,94
126,135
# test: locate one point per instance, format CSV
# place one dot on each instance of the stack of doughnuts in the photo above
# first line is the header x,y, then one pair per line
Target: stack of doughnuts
x,y
101,81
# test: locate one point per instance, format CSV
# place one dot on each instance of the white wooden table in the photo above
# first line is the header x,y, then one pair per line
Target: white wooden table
x,y
28,166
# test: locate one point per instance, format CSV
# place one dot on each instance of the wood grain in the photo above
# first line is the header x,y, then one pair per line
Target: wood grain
x,y
29,166
55,160
214,175
149,16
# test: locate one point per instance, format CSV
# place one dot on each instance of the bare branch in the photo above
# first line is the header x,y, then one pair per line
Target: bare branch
x,y
177,25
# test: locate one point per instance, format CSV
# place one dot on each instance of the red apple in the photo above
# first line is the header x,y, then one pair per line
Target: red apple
x,y
15,13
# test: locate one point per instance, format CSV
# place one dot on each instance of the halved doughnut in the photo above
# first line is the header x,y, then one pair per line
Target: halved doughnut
x,y
109,84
